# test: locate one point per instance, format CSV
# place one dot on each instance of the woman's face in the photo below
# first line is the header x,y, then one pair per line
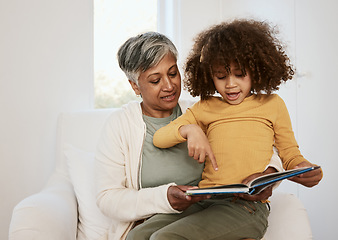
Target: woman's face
x,y
160,88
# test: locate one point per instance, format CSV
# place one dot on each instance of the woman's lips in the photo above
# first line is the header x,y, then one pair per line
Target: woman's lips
x,y
169,97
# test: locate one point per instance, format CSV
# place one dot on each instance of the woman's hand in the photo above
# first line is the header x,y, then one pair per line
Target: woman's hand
x,y
308,179
179,200
263,195
198,144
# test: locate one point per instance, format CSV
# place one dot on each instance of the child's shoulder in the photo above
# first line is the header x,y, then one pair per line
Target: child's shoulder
x,y
275,103
213,100
271,100
268,97
208,103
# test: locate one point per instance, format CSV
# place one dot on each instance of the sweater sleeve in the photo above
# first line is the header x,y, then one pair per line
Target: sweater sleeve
x,y
169,135
285,139
118,196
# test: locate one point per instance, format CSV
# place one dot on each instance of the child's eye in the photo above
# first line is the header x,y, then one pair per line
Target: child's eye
x,y
239,74
221,77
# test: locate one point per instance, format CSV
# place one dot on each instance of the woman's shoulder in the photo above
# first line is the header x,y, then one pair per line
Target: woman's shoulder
x,y
186,103
130,112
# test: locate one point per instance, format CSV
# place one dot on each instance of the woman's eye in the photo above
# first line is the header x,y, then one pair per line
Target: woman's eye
x,y
221,77
156,81
174,74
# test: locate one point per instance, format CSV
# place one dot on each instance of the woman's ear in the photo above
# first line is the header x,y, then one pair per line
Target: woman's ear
x,y
135,87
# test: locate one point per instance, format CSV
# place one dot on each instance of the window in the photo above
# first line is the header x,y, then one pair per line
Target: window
x,y
114,22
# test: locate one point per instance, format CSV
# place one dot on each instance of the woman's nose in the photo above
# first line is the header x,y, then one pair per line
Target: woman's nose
x,y
168,85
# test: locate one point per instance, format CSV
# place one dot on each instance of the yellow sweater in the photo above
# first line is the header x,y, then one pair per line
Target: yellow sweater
x,y
241,136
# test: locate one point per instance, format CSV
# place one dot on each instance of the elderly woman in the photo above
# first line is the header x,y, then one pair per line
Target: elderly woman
x,y
136,180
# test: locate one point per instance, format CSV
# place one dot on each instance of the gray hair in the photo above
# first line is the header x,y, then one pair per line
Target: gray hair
x,y
142,52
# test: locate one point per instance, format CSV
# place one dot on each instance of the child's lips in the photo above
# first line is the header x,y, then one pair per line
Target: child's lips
x,y
232,96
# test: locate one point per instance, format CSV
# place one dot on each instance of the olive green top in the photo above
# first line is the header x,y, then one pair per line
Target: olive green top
x,y
162,166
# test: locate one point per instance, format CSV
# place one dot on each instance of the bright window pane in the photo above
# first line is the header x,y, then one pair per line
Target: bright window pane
x,y
114,22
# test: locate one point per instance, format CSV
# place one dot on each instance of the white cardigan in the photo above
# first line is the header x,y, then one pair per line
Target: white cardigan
x,y
118,163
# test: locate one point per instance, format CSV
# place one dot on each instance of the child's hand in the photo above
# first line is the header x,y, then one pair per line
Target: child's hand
x,y
198,144
308,179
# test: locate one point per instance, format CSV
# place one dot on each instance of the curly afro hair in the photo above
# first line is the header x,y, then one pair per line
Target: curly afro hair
x,y
249,43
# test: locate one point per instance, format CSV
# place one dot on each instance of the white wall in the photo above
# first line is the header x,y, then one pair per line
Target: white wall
x,y
308,27
46,67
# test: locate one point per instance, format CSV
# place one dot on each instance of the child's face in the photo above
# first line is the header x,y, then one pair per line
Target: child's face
x,y
234,88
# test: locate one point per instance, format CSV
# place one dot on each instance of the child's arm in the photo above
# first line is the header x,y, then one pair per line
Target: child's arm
x,y
169,135
285,140
198,144
289,151
186,128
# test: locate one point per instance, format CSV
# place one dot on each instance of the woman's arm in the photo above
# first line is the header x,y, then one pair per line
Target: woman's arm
x,y
275,165
265,194
179,200
117,167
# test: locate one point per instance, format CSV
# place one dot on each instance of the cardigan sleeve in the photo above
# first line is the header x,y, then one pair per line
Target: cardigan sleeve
x,y
275,161
116,165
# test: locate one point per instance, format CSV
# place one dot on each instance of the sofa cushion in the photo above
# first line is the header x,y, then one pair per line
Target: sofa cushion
x,y
92,223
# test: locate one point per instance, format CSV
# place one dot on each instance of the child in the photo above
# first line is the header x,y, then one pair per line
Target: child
x,y
244,63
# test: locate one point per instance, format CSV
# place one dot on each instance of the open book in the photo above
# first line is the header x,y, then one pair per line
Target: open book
x,y
255,186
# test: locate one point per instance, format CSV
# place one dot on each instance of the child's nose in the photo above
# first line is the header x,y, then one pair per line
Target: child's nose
x,y
230,82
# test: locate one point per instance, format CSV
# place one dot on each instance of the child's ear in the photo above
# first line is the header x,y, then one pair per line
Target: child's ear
x,y
135,87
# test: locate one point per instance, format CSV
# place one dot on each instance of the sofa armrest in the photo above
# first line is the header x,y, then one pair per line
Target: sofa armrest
x,y
288,218
50,214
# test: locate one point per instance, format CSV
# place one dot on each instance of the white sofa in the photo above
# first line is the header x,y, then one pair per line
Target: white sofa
x,y
65,208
